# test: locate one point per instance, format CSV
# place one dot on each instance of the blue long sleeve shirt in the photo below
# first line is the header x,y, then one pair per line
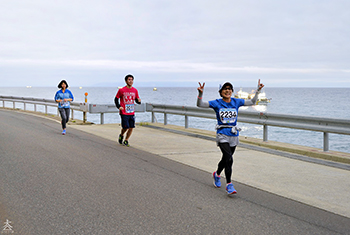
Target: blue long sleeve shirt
x,y
66,95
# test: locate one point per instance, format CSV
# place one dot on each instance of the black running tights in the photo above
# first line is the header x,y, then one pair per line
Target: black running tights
x,y
64,116
226,161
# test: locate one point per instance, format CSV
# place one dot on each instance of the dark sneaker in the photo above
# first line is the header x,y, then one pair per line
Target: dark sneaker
x,y
230,189
126,143
120,140
217,182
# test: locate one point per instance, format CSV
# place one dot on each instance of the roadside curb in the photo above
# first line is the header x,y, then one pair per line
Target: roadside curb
x,y
332,156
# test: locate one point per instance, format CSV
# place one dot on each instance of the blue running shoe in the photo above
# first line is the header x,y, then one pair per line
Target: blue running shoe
x,y
217,182
63,132
230,189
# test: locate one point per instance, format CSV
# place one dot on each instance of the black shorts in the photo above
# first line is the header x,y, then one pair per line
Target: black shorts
x,y
128,121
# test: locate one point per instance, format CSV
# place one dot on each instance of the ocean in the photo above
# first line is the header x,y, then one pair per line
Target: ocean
x,y
320,102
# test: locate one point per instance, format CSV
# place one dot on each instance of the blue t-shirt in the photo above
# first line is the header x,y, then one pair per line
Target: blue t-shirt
x,y
226,114
66,95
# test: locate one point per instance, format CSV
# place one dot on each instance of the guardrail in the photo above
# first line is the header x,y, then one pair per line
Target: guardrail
x,y
111,108
318,124
75,106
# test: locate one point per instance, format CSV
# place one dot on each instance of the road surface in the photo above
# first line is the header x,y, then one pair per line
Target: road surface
x,y
83,184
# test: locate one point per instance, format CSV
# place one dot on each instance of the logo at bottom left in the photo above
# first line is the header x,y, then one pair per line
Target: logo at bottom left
x,y
7,228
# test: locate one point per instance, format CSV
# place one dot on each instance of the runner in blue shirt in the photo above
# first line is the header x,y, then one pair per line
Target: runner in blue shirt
x,y
63,97
227,133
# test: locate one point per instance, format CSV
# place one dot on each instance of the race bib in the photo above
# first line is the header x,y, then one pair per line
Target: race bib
x,y
228,115
129,108
64,104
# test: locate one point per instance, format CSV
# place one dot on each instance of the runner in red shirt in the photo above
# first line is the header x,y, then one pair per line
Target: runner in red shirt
x,y
127,95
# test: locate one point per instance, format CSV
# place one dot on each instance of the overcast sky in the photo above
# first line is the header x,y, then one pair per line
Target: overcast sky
x,y
300,43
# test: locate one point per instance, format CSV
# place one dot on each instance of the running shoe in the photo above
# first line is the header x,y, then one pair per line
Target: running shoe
x,y
120,139
126,143
230,189
63,132
217,182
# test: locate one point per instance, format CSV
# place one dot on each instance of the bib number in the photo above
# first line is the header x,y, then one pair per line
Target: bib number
x,y
228,115
129,108
64,104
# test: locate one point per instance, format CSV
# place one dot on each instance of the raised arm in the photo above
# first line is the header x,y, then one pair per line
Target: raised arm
x,y
200,102
255,98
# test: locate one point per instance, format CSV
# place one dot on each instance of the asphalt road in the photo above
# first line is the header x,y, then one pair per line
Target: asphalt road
x,y
83,184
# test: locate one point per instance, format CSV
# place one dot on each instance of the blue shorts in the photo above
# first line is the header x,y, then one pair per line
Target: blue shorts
x,y
128,121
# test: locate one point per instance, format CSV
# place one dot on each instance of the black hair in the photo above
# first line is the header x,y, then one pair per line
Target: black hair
x,y
60,84
129,76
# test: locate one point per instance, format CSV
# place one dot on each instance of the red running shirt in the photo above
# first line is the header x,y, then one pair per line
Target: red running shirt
x,y
127,98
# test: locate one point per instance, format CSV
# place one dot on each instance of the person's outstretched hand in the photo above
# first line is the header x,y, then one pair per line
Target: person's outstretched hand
x,y
201,87
260,85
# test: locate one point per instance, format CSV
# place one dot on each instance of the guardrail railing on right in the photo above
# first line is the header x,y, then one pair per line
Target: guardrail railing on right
x,y
319,124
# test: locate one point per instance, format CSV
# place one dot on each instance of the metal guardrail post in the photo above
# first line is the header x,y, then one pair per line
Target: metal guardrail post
x,y
165,119
265,133
186,121
24,106
72,114
153,117
45,109
14,105
102,120
325,141
84,113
